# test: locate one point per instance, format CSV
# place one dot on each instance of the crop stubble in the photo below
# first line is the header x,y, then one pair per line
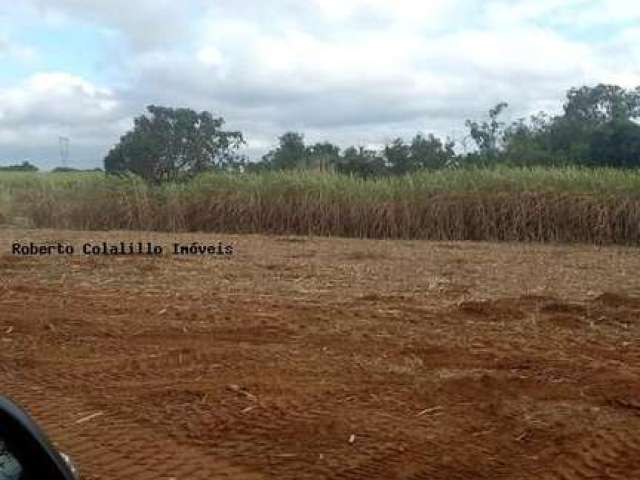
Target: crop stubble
x,y
311,358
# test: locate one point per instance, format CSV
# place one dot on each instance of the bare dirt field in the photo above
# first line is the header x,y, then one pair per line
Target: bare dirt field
x,y
301,358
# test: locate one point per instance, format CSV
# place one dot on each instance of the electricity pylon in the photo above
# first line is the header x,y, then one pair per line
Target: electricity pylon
x,y
64,150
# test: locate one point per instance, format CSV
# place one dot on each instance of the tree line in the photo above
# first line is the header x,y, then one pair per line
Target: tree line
x,y
29,167
597,127
19,167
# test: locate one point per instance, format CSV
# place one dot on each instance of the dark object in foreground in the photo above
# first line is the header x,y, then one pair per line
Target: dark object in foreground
x,y
25,451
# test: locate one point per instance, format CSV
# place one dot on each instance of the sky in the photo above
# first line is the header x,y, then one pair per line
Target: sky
x,y
353,72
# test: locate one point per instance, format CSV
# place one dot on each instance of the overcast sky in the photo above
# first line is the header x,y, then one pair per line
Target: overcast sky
x,y
350,71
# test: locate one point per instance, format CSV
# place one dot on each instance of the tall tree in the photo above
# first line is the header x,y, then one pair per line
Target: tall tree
x,y
290,153
322,155
601,104
397,155
488,135
362,162
616,144
527,142
168,143
430,152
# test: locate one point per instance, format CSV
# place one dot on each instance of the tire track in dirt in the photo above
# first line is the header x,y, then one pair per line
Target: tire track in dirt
x,y
234,434
517,376
254,433
381,463
606,454
427,462
172,366
108,446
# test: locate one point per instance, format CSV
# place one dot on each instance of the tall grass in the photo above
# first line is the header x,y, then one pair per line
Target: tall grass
x,y
559,205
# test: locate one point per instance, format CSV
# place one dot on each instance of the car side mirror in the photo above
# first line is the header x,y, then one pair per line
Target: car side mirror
x,y
25,451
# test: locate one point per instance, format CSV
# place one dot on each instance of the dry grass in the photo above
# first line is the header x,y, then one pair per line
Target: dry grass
x,y
554,205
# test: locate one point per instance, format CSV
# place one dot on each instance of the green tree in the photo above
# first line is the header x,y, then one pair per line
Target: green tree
x,y
361,162
397,156
595,128
322,156
586,112
601,104
583,134
528,142
616,144
431,153
424,152
290,153
488,135
169,143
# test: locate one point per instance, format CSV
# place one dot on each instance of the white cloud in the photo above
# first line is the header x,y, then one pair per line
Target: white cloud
x,y
210,56
406,12
508,13
605,12
358,71
145,23
10,50
46,105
